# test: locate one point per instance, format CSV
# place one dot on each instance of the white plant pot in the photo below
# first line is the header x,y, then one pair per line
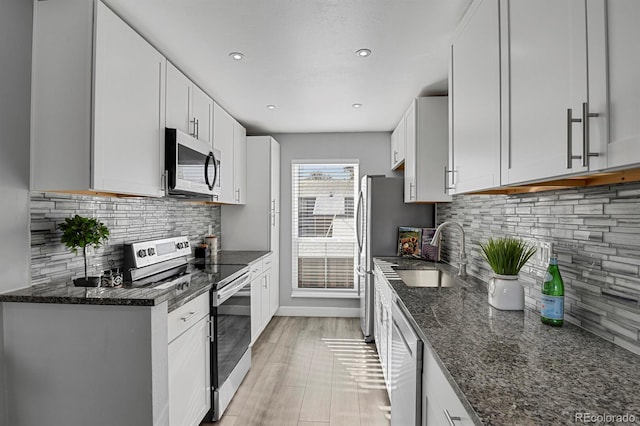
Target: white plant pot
x,y
506,293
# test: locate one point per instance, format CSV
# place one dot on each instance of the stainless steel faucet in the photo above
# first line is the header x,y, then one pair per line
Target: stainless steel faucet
x,y
462,257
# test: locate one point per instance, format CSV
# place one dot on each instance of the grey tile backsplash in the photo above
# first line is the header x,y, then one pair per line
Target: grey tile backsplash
x,y
128,219
594,231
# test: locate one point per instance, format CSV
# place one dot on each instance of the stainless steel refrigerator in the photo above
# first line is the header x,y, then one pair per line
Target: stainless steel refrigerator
x,y
381,211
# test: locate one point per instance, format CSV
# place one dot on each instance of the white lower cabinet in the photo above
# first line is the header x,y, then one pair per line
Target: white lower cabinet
x,y
383,325
440,404
262,294
189,362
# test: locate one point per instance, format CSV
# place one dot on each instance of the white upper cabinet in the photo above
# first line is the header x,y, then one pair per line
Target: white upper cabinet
x,y
239,163
201,115
621,67
397,146
426,152
230,137
98,122
178,100
188,107
547,93
474,101
223,127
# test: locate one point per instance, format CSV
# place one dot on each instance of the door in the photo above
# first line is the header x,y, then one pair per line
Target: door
x,y
410,181
201,114
178,102
621,32
239,163
545,72
189,375
223,140
474,102
128,138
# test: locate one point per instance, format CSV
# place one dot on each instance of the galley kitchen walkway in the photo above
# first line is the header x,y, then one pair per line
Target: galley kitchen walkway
x,y
311,372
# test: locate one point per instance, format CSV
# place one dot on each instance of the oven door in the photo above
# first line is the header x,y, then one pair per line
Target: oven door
x,y
232,322
192,168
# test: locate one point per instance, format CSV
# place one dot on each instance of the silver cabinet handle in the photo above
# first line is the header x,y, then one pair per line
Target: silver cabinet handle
x,y
570,121
446,186
189,316
450,418
194,134
237,195
411,185
197,128
585,134
395,156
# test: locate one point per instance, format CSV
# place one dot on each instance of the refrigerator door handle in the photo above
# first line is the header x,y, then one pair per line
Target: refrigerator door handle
x,y
358,223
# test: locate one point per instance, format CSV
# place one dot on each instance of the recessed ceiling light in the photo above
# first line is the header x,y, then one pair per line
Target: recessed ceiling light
x,y
271,107
237,55
363,52
357,105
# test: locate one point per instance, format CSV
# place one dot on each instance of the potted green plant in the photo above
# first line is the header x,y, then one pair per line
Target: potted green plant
x,y
83,232
506,257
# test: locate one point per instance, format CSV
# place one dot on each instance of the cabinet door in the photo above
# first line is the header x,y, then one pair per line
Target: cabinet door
x,y
442,403
178,102
275,177
223,140
239,163
266,298
546,73
189,376
256,307
128,137
410,133
202,114
397,146
474,101
620,54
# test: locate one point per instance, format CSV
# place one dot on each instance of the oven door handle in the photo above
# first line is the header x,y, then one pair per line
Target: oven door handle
x,y
231,289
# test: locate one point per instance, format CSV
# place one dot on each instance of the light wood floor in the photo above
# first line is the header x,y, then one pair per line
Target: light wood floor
x,y
310,372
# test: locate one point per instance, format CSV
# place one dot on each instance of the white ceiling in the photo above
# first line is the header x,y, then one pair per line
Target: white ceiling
x,y
300,56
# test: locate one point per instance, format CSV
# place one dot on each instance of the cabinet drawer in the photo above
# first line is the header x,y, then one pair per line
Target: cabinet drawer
x,y
255,269
187,315
266,263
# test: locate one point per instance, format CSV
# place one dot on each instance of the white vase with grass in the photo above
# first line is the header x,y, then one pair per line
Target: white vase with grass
x,y
506,256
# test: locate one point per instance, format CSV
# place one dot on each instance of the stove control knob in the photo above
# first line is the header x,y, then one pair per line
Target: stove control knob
x,y
142,253
180,246
186,244
151,251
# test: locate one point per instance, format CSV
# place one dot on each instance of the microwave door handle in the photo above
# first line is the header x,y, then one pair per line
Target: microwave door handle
x,y
215,170
206,170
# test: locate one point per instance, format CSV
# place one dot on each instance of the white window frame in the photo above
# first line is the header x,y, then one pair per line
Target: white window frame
x,y
331,293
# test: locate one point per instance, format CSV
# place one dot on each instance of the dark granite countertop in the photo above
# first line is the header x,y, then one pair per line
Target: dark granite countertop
x,y
507,367
65,293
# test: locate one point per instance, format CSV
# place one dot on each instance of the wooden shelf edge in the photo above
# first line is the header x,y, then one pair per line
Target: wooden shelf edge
x,y
597,179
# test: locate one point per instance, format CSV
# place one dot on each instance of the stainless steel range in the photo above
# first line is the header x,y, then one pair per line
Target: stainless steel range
x,y
164,263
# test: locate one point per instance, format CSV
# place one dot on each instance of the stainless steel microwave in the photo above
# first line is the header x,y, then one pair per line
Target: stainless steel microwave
x,y
193,166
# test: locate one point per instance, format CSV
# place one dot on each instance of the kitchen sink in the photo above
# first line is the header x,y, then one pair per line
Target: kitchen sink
x,y
426,278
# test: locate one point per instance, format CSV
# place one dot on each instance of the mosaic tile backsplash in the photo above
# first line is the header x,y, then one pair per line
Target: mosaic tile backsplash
x,y
594,231
128,220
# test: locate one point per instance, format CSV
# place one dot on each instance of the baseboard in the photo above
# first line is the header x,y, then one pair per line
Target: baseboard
x,y
309,311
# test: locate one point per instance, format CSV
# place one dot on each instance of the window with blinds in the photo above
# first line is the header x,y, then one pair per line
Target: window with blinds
x,y
323,227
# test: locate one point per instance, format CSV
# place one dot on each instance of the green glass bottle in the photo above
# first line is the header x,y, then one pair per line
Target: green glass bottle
x,y
552,309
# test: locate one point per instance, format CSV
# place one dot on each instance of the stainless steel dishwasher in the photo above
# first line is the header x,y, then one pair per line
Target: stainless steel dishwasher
x,y
406,371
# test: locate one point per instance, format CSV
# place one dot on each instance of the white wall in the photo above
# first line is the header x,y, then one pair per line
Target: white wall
x,y
15,81
373,152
